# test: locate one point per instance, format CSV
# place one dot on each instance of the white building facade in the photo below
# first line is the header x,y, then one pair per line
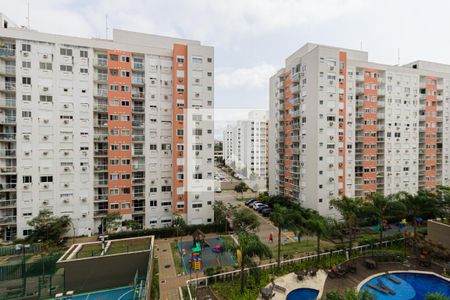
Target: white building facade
x,y
342,125
93,126
246,149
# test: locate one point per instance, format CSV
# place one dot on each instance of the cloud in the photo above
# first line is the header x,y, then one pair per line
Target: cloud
x,y
248,78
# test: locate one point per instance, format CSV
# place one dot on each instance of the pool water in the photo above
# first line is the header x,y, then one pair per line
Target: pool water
x,y
413,286
124,293
303,294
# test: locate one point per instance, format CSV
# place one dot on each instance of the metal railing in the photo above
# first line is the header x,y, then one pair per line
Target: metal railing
x,y
8,69
8,119
8,86
8,103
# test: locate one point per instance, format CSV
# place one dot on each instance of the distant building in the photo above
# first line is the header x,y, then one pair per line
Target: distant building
x,y
245,149
341,125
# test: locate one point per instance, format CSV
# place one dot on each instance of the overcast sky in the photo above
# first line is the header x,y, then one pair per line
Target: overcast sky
x,y
253,37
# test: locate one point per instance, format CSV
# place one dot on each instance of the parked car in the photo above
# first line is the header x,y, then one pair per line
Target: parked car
x,y
260,208
258,205
218,190
266,212
250,201
254,203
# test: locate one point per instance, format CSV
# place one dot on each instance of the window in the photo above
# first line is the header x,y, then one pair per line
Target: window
x,y
114,162
197,176
124,88
166,188
26,47
46,179
197,60
180,132
83,53
125,118
197,131
114,57
209,74
180,59
125,73
125,103
65,68
113,72
114,206
125,205
26,114
114,147
65,51
153,190
180,118
84,70
26,64
125,59
125,147
114,176
26,179
197,205
26,80
45,66
114,131
114,117
209,59
114,191
26,97
125,162
153,203
153,147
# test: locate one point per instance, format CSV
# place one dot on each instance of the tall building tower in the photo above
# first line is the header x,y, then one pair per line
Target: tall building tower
x,y
341,125
93,126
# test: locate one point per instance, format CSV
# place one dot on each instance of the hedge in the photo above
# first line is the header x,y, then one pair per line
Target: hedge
x,y
168,232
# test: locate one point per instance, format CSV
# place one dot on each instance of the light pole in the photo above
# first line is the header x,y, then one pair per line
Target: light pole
x,y
21,247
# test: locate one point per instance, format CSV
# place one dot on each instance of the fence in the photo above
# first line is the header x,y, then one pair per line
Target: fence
x,y
11,250
310,258
44,266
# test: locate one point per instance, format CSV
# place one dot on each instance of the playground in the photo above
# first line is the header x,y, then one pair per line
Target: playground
x,y
200,253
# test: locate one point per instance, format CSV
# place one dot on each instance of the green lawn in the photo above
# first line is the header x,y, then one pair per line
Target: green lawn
x,y
89,251
128,246
177,258
307,245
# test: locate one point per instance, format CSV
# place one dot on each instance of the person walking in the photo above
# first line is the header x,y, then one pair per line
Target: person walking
x,y
271,237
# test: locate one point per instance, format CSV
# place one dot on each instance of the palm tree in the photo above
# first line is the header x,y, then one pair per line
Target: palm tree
x,y
349,209
284,218
381,206
319,226
249,246
421,203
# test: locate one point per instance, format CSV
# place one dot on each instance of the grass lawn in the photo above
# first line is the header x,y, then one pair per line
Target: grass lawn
x,y
307,245
177,258
129,246
89,251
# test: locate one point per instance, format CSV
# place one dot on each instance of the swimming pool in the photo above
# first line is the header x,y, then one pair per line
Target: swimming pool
x,y
303,294
123,293
412,286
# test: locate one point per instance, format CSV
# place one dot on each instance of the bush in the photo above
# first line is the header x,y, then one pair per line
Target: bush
x,y
168,232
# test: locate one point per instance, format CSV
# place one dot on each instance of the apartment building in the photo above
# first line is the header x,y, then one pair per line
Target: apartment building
x,y
245,149
341,125
94,126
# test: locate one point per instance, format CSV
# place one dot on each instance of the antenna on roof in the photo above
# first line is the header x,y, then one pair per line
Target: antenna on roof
x,y
28,14
106,26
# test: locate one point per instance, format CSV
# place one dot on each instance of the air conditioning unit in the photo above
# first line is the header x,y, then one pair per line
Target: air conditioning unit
x,y
45,186
330,165
66,137
197,153
66,121
331,123
66,153
45,202
26,136
166,209
45,153
331,137
84,168
331,151
45,121
331,179
27,153
26,54
66,200
45,137
84,215
152,182
166,181
197,167
25,187
45,89
66,105
84,199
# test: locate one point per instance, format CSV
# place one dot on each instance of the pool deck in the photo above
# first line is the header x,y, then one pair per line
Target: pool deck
x,y
290,283
352,280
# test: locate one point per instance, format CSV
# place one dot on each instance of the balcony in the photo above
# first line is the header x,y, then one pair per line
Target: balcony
x,y
138,66
7,137
137,123
7,187
100,213
138,109
7,169
9,220
138,195
139,152
101,183
7,53
8,70
138,138
8,103
101,78
8,153
138,181
101,123
100,168
101,62
101,152
138,209
359,90
7,86
101,138
137,80
135,94
101,93
10,203
138,167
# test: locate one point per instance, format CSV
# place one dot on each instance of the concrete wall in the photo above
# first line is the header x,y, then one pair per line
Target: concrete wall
x,y
103,272
438,233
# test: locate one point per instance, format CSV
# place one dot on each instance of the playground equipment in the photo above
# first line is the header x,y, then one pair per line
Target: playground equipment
x,y
196,260
217,249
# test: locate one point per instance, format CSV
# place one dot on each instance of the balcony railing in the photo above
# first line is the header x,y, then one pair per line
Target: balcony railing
x,y
138,138
9,203
138,167
7,86
101,93
101,62
8,69
138,109
137,80
138,152
7,136
7,169
8,103
138,66
98,168
6,187
7,220
8,153
137,94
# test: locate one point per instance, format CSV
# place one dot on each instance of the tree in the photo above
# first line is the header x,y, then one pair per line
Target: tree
x,y
381,206
349,209
319,226
444,200
48,228
178,223
222,212
423,202
241,188
350,294
249,246
436,296
112,221
245,221
132,224
284,218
